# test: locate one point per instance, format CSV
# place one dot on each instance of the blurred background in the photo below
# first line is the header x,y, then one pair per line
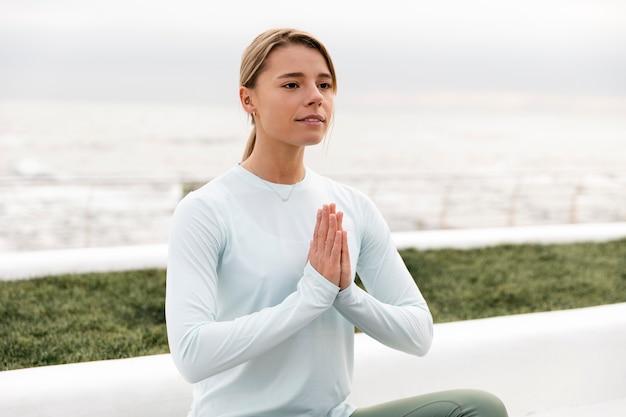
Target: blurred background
x,y
449,114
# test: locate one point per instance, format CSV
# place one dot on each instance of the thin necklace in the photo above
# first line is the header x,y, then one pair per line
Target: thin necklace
x,y
279,194
271,187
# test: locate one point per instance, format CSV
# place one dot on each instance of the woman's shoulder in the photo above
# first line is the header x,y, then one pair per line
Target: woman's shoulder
x,y
214,193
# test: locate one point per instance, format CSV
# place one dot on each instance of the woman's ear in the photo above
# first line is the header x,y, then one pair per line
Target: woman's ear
x,y
246,100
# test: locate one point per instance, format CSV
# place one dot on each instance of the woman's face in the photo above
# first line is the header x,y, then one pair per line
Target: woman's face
x,y
293,98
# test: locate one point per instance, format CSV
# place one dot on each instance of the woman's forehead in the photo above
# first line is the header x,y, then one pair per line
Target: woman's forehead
x,y
296,58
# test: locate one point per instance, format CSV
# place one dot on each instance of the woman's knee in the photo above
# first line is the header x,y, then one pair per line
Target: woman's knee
x,y
465,403
452,403
478,403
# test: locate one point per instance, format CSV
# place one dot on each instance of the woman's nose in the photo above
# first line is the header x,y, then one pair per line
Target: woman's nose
x,y
316,96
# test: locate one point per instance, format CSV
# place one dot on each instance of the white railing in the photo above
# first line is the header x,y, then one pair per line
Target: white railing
x,y
47,213
497,199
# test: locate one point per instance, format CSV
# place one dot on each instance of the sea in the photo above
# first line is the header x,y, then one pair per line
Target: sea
x,y
79,174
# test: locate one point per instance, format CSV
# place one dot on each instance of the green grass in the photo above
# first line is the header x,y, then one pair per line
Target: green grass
x,y
88,317
504,280
80,318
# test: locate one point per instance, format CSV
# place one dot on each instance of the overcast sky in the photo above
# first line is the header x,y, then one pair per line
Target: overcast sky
x,y
189,50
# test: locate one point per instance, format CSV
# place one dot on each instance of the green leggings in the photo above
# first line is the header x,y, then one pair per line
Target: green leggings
x,y
455,403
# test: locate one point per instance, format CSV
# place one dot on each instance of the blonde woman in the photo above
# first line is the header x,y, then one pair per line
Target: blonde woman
x,y
261,305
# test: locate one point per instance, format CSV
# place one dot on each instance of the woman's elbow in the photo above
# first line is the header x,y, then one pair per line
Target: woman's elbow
x,y
185,358
187,368
423,336
422,347
189,374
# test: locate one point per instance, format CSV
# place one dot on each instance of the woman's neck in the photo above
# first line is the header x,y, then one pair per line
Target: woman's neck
x,y
275,169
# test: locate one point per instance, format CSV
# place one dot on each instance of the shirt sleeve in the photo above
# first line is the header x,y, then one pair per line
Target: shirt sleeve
x,y
393,310
200,345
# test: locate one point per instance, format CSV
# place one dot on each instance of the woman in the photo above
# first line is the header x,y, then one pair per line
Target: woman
x,y
261,306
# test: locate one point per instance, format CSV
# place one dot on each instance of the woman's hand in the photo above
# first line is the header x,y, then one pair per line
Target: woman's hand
x,y
346,275
328,252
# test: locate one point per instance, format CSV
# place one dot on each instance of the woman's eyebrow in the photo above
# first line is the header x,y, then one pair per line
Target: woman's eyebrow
x,y
300,75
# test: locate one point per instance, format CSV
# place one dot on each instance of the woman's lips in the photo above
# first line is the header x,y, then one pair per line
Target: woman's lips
x,y
313,120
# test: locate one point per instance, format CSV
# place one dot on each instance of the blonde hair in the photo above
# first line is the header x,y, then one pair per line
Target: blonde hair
x,y
255,55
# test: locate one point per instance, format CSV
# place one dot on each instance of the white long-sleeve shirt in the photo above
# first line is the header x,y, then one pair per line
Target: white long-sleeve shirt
x,y
257,329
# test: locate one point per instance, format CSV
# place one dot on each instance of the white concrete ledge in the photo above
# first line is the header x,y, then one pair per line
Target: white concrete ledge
x,y
25,265
145,386
474,238
554,364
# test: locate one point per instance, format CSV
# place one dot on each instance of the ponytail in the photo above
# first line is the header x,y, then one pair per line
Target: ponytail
x,y
250,145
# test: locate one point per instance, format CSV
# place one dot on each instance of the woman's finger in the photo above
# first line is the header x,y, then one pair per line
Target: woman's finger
x,y
335,255
331,234
346,269
316,230
340,220
322,231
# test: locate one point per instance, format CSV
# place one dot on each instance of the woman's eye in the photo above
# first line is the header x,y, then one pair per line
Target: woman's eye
x,y
326,86
290,85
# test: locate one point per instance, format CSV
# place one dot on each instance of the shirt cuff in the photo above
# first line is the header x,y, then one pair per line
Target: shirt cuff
x,y
320,280
349,296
